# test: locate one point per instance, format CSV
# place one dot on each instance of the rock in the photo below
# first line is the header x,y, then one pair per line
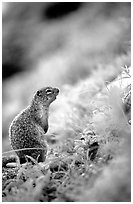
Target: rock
x,y
11,165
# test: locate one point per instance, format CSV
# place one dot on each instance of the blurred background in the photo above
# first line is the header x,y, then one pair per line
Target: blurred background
x,y
59,44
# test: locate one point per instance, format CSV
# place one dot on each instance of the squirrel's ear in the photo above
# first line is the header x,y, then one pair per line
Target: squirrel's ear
x,y
39,93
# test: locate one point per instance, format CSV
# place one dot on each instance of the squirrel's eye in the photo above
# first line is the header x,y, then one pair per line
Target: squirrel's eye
x,y
48,91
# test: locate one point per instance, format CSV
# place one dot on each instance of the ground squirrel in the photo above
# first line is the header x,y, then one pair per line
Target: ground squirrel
x,y
28,128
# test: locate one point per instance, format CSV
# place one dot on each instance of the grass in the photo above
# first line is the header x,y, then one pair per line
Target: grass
x,y
69,173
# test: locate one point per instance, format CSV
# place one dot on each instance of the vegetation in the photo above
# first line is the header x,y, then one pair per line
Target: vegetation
x,y
76,170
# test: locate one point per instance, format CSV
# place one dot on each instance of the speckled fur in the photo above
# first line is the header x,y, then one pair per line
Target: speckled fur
x,y
28,128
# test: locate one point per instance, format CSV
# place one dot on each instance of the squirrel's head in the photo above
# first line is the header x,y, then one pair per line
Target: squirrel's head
x,y
46,95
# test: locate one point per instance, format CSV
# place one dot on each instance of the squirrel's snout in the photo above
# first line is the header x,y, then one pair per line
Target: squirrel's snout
x,y
56,91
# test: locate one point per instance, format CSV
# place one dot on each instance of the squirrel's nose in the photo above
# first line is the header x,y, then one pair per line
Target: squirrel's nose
x,y
56,90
